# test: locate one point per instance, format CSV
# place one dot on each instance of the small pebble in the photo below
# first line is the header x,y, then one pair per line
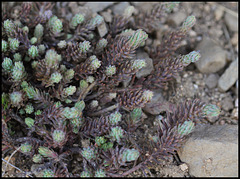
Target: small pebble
x,y
218,13
211,80
184,167
234,39
236,102
235,113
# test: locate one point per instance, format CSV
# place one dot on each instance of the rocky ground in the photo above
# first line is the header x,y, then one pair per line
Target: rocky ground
x,y
212,148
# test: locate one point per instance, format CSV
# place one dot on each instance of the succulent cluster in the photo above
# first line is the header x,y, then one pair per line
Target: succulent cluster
x,y
76,93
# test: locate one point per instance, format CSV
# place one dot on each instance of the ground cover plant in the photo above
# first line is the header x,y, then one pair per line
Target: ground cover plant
x,y
64,85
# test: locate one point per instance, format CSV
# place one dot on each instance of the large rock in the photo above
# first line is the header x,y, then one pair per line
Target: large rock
x,y
229,77
213,57
149,65
98,6
120,8
212,151
75,8
231,21
177,18
158,104
145,6
102,29
107,15
227,103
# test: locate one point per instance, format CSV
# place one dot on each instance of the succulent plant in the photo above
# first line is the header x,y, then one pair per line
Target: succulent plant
x,y
116,133
188,23
80,105
7,64
129,155
4,46
55,25
56,77
41,49
26,147
47,173
16,98
88,153
62,44
58,136
76,20
38,31
85,174
29,108
46,152
114,118
110,70
138,64
37,158
94,62
9,26
17,57
211,110
76,93
33,51
100,173
29,122
84,46
14,44
102,43
186,128
90,79
96,21
69,90
137,38
33,40
83,84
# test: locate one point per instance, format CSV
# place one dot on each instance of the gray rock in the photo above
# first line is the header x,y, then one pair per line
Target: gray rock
x,y
145,6
102,29
236,102
120,8
236,91
212,151
98,6
212,80
107,15
227,103
189,88
86,11
158,104
126,82
177,18
231,21
149,65
235,113
218,13
213,57
229,77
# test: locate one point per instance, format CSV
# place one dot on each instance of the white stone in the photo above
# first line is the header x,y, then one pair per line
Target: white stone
x,y
231,21
98,6
213,57
229,77
212,151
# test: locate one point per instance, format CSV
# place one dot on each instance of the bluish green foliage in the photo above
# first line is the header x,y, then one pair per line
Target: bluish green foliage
x,y
26,147
76,96
29,122
88,153
33,51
